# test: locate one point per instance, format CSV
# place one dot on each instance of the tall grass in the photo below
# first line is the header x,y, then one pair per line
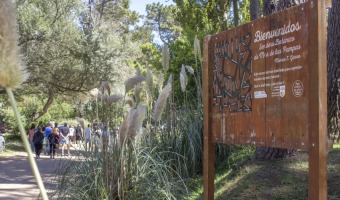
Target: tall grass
x,y
130,172
156,150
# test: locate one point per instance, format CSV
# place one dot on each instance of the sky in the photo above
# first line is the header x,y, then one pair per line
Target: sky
x,y
140,5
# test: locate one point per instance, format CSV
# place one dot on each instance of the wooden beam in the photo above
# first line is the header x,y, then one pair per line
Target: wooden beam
x,y
317,177
209,148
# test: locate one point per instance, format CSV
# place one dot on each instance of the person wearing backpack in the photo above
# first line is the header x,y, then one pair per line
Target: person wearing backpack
x,y
53,139
38,141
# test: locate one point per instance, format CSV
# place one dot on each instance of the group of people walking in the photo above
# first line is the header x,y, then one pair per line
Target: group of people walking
x,y
54,136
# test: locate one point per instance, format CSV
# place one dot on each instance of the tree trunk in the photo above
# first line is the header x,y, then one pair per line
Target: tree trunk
x,y
269,7
273,6
36,116
236,15
255,10
333,71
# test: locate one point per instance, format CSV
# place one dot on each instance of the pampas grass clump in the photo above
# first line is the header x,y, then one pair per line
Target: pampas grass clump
x,y
183,78
132,82
12,72
161,101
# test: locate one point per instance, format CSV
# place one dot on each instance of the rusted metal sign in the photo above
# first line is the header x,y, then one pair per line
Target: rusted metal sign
x,y
260,81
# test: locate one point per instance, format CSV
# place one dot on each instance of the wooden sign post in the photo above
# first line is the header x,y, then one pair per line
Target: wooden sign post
x,y
265,85
317,176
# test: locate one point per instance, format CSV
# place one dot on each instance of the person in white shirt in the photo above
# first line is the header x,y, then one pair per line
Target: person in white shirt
x,y
71,135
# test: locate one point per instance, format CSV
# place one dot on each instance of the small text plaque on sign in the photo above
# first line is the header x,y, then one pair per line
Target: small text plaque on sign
x,y
260,81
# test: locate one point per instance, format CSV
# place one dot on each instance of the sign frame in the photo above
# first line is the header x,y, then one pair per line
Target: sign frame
x,y
317,120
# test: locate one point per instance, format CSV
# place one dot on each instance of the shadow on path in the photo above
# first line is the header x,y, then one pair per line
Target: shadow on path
x,y
17,180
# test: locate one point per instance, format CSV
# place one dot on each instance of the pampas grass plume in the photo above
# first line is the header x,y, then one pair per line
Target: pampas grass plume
x,y
114,98
136,119
197,49
103,97
183,78
129,102
161,102
160,82
149,80
190,69
123,128
138,90
12,72
169,79
94,93
132,82
165,58
105,86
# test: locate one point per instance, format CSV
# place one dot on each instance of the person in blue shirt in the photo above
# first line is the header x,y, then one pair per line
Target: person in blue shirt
x,y
48,130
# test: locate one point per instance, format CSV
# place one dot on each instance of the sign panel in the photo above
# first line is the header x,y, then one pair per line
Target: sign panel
x,y
260,81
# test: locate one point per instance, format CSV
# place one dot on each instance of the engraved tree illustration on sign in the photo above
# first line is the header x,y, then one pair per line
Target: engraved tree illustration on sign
x,y
232,72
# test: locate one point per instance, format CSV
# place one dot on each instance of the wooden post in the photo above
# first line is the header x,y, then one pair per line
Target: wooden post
x,y
209,148
317,177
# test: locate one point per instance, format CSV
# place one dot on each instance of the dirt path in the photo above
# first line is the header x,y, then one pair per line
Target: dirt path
x,y
16,178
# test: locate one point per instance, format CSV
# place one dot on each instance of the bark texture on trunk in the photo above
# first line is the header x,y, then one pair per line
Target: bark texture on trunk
x,y
236,11
333,71
36,116
255,9
272,6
